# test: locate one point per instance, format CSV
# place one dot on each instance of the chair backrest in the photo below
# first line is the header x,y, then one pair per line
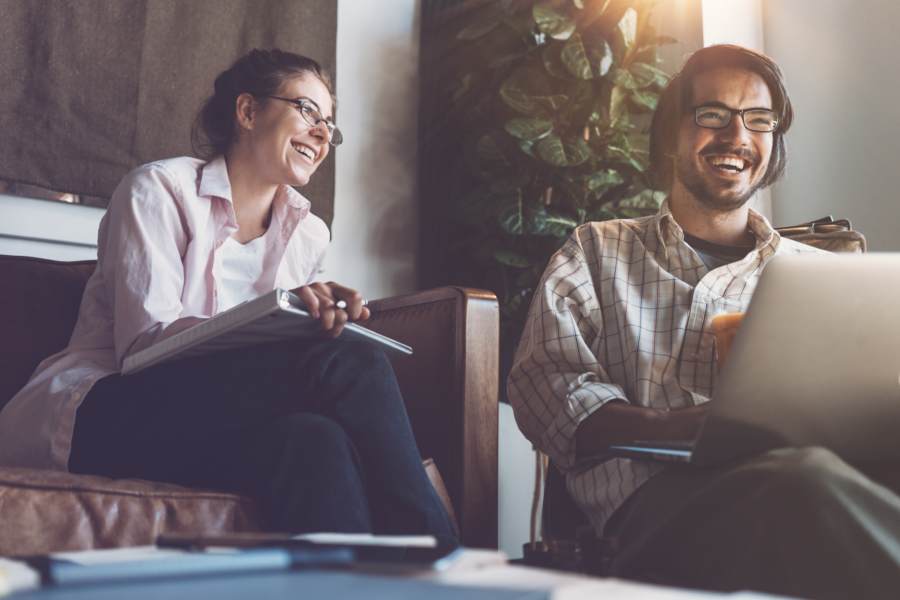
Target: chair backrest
x,y
38,310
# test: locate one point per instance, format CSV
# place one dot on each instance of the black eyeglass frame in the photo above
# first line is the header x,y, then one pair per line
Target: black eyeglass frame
x,y
735,111
335,137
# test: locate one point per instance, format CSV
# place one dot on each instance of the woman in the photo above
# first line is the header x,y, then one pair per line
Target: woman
x,y
317,431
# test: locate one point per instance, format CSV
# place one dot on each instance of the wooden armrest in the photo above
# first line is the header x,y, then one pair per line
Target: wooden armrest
x,y
450,385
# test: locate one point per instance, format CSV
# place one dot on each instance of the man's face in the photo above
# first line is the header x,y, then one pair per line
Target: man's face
x,y
723,168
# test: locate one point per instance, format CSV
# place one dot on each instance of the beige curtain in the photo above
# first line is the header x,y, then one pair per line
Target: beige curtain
x,y
90,89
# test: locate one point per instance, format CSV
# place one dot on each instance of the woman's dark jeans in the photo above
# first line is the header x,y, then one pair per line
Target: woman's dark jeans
x,y
316,431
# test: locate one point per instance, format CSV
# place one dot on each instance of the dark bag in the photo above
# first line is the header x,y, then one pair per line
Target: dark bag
x,y
828,234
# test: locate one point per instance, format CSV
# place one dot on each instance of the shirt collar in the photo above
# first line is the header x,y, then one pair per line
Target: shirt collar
x,y
669,232
214,179
214,182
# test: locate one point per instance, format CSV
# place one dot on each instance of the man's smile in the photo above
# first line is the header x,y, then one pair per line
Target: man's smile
x,y
727,161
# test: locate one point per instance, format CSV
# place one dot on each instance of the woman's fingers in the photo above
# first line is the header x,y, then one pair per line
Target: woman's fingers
x,y
310,299
333,305
338,321
353,300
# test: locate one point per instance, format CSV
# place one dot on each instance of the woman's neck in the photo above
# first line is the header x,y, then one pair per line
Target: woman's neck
x,y
251,197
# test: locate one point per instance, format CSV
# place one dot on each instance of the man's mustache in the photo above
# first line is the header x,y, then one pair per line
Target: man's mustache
x,y
739,151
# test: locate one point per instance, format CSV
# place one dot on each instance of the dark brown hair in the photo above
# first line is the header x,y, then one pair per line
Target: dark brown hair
x,y
677,99
260,73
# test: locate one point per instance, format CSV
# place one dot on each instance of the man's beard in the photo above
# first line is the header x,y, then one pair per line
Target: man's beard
x,y
694,182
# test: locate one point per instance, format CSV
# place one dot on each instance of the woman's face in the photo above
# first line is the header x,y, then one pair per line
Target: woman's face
x,y
285,147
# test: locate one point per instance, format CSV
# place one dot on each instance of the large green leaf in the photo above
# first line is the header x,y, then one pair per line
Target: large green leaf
x,y
527,147
617,107
528,128
627,28
544,222
586,59
549,21
646,200
512,213
655,42
623,78
568,153
646,74
552,60
625,155
552,102
601,181
574,57
645,99
528,91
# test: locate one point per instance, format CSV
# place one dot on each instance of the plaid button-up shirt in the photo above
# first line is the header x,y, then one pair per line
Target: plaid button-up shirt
x,y
623,313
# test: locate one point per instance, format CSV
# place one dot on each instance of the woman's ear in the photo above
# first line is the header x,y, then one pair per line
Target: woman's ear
x,y
245,110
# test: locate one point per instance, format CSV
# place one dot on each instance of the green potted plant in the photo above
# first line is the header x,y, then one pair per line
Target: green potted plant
x,y
555,98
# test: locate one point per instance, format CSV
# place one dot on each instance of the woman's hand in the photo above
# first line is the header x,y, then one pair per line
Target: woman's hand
x,y
333,305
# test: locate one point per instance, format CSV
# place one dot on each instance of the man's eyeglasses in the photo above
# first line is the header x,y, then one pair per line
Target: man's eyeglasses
x,y
311,115
761,120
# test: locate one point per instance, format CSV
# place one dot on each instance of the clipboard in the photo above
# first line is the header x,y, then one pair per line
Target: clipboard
x,y
278,315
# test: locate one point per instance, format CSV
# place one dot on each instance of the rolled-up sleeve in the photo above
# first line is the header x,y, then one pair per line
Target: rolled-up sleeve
x,y
141,245
556,381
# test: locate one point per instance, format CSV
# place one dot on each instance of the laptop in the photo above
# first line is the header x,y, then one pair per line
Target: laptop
x,y
816,362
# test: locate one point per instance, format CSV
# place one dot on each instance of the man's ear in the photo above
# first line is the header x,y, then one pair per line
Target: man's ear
x,y
245,110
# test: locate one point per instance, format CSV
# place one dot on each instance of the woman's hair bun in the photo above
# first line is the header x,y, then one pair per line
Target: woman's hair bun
x,y
260,73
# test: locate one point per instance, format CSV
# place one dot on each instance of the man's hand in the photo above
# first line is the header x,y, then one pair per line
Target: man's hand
x,y
333,305
620,423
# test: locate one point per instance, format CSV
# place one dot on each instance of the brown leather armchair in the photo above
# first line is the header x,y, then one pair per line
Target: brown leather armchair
x,y
449,383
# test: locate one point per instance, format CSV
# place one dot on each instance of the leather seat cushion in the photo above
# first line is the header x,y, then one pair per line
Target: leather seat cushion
x,y
54,511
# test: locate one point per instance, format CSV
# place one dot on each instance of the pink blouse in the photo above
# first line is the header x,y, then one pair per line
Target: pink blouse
x,y
155,276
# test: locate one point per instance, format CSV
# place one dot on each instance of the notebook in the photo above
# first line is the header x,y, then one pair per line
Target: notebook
x,y
275,316
815,362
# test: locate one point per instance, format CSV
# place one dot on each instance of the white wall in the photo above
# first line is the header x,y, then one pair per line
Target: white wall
x,y
840,61
738,22
374,231
733,22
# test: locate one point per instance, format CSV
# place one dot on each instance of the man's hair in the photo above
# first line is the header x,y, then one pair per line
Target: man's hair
x,y
676,100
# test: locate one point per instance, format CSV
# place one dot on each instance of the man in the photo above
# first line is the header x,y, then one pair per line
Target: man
x,y
618,348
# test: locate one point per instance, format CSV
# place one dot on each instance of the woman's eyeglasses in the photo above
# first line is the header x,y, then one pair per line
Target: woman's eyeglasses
x,y
311,115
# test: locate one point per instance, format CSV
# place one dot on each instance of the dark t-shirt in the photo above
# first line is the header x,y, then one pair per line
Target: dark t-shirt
x,y
716,255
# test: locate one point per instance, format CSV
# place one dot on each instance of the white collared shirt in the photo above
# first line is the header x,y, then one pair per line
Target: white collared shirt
x,y
156,275
623,313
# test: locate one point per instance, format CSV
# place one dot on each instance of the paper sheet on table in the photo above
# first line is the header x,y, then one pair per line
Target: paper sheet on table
x,y
368,539
113,555
570,586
